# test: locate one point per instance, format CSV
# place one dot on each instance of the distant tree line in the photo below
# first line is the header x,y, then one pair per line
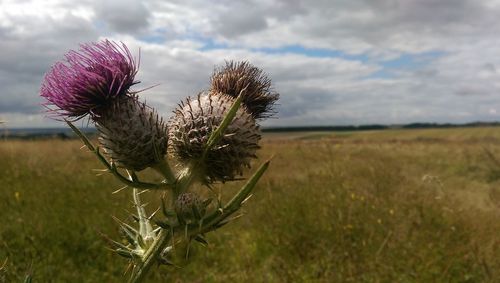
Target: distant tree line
x,y
449,125
325,128
62,133
377,127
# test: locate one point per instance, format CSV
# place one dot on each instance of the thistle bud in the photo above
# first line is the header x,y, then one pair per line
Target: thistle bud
x,y
236,76
193,123
187,205
132,134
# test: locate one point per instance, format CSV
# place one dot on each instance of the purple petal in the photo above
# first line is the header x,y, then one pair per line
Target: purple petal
x,y
89,79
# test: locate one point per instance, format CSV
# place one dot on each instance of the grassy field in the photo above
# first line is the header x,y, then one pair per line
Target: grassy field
x,y
379,206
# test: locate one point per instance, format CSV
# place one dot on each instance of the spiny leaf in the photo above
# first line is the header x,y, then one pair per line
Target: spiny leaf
x,y
128,253
234,204
207,202
129,236
218,133
145,227
201,239
162,224
220,224
196,212
248,187
115,244
81,135
141,242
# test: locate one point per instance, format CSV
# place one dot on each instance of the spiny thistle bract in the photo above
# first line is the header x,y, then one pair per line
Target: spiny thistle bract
x,y
187,205
190,128
259,98
132,134
89,79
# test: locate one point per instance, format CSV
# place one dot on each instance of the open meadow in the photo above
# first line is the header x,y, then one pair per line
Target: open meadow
x,y
374,206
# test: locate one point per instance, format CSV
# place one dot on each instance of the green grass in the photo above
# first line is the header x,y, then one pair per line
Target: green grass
x,y
377,206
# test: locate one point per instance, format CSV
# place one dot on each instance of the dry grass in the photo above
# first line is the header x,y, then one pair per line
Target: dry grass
x,y
381,206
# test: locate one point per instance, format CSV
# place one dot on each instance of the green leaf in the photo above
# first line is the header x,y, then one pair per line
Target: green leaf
x,y
145,227
129,232
127,253
141,242
219,132
201,239
207,202
162,224
245,191
196,212
218,217
82,136
219,224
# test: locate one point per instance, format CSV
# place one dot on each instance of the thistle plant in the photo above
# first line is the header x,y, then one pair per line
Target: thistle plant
x,y
258,97
211,138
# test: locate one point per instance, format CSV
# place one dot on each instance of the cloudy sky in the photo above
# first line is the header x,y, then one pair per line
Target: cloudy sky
x,y
333,62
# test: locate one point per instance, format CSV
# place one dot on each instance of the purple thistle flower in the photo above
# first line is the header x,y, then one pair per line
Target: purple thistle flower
x,y
89,79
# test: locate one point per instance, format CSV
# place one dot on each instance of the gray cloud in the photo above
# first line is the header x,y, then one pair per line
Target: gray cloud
x,y
234,25
124,16
460,83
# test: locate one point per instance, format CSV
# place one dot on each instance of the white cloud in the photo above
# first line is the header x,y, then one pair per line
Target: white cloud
x,y
460,83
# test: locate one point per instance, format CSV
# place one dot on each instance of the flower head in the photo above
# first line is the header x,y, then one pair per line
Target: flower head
x,y
132,134
186,204
193,123
259,98
89,79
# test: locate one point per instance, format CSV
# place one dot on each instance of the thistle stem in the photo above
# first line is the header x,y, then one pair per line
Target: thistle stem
x,y
151,255
187,178
164,169
164,236
145,227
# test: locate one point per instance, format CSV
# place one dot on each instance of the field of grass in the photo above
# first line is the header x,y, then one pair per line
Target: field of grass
x,y
378,206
